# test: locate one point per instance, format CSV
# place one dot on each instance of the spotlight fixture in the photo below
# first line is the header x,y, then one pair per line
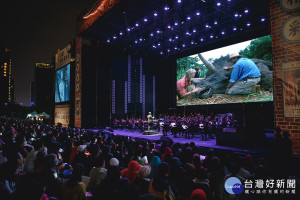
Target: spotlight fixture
x,y
263,19
151,34
187,33
236,14
194,30
128,29
115,37
136,41
183,45
211,36
175,48
158,44
145,19
223,32
234,28
188,18
108,40
246,11
192,42
176,36
197,13
121,33
169,26
170,39
248,24
201,39
158,31
168,50
218,3
176,24
161,53
215,22
166,7
155,14
178,1
136,24
141,39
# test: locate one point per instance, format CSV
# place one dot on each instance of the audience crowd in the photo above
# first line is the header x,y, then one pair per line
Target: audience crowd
x,y
43,161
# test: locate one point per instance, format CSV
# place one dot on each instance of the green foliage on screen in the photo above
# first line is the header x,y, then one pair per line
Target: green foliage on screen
x,y
183,64
260,48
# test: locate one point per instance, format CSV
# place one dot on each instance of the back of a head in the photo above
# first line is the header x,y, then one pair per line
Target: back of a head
x,y
99,162
144,171
50,161
198,194
163,169
113,173
201,173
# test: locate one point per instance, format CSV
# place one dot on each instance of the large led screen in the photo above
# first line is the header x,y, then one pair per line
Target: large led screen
x,y
241,72
62,84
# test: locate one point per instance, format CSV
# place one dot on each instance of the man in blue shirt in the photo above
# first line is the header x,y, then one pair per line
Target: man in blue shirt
x,y
244,75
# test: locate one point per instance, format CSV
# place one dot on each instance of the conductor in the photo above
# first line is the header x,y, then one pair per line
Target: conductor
x,y
150,120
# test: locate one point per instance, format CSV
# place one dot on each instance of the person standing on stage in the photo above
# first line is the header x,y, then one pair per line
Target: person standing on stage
x,y
150,119
244,75
184,83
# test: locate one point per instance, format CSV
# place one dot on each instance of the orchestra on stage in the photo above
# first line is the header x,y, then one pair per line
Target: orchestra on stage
x,y
180,126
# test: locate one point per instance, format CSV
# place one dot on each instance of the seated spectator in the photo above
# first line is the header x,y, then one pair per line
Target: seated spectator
x,y
160,183
216,178
31,187
108,187
114,162
167,151
197,194
132,171
98,174
20,145
8,173
29,161
196,161
51,175
142,180
155,162
201,182
74,188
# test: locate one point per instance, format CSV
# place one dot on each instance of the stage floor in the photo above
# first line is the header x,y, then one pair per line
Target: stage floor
x,y
197,140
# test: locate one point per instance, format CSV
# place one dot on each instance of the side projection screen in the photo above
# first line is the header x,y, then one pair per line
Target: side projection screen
x,y
211,77
62,84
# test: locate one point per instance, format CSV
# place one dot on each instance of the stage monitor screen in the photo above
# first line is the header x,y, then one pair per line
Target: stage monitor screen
x,y
62,84
211,77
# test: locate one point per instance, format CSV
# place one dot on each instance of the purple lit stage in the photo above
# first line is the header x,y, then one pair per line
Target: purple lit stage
x,y
197,140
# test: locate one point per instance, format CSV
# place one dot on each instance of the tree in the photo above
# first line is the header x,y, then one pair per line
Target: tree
x,y
183,64
260,48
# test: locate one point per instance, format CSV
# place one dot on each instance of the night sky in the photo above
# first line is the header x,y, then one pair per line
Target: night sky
x,y
34,30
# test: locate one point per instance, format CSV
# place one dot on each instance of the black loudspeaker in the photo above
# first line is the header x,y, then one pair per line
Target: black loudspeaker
x,y
167,139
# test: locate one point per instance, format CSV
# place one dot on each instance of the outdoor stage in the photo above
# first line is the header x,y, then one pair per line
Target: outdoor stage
x,y
197,140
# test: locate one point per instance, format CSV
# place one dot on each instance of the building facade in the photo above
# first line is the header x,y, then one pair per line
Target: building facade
x,y
43,87
6,81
